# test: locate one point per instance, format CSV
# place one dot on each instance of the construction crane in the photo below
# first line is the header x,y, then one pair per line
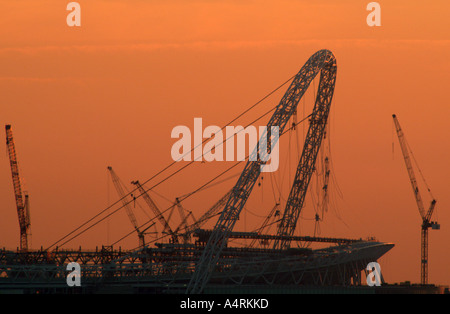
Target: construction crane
x,y
126,204
211,212
184,218
151,204
426,216
322,62
22,200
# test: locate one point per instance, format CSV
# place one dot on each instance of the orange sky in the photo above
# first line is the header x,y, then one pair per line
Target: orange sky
x,y
110,92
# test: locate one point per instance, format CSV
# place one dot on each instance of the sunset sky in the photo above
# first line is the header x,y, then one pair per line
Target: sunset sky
x,y
109,93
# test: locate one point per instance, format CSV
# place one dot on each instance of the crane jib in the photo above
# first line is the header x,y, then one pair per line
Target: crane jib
x,y
22,202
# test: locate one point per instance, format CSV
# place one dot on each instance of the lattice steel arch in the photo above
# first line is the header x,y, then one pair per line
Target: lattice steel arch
x,y
306,165
322,61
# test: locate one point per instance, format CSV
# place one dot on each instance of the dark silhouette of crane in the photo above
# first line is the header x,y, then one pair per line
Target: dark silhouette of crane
x,y
22,201
426,216
126,204
152,205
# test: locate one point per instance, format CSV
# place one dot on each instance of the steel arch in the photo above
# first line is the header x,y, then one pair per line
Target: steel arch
x,y
322,62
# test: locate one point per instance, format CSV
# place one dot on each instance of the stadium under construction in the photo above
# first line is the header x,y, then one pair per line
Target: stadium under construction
x,y
197,260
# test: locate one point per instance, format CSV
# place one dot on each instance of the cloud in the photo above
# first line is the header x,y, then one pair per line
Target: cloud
x,y
213,45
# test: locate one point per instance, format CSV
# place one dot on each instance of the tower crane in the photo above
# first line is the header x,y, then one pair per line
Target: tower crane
x,y
155,210
126,204
22,201
426,216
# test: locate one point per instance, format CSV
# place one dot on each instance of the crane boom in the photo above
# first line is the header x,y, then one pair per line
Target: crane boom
x,y
21,203
126,204
409,167
183,225
426,217
322,61
155,210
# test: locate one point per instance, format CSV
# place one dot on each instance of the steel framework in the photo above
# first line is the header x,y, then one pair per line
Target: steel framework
x,y
210,262
322,62
167,268
22,202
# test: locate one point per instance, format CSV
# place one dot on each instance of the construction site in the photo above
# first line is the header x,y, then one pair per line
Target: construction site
x,y
189,258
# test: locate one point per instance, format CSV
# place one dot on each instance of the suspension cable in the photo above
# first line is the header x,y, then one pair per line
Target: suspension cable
x,y
167,167
192,193
171,164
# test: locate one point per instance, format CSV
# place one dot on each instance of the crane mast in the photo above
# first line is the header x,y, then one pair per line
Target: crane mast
x,y
426,217
22,202
322,62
